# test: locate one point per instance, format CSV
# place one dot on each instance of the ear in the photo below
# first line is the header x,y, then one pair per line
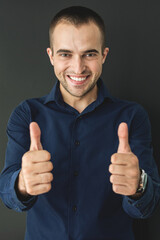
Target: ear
x,y
50,55
105,53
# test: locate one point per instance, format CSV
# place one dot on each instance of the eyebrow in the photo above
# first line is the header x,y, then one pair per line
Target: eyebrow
x,y
64,50
91,51
68,51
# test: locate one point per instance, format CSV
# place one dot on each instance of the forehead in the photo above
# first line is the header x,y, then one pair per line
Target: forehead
x,y
67,35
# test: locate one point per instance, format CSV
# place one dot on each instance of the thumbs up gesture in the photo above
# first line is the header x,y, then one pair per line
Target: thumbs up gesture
x,y
124,167
35,176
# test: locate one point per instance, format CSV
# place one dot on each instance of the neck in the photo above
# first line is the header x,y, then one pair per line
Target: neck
x,y
79,103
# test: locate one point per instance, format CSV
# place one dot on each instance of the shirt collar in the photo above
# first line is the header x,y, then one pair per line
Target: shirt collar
x,y
103,92
55,94
52,96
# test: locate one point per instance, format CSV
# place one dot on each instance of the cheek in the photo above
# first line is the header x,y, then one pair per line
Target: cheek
x,y
60,66
96,67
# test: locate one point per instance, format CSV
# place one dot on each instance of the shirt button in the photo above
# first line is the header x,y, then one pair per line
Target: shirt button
x,y
76,173
138,204
74,208
77,143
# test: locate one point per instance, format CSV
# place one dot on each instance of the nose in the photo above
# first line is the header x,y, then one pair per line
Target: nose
x,y
78,65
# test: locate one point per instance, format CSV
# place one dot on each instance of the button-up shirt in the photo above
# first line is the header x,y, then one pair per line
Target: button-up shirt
x,y
81,204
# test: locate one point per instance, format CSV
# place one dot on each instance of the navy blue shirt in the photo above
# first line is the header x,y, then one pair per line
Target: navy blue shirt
x,y
81,204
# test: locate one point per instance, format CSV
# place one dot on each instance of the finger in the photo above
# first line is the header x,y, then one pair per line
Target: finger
x,y
118,179
121,158
123,190
35,157
120,189
117,169
39,189
40,179
35,136
45,177
123,139
42,167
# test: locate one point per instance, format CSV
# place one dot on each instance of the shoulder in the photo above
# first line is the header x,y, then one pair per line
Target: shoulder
x,y
131,109
21,114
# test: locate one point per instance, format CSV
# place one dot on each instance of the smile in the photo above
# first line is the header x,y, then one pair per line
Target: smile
x,y
78,79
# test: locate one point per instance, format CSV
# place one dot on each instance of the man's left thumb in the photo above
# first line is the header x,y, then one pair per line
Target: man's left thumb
x,y
123,138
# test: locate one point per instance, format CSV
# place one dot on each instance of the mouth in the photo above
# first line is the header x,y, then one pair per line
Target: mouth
x,y
78,80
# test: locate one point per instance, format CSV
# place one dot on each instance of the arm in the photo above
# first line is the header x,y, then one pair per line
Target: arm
x,y
31,169
135,152
18,144
140,142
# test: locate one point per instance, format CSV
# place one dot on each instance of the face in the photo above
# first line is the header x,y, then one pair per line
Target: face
x,y
77,58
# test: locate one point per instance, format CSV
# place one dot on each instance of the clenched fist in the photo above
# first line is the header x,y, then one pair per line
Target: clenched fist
x,y
35,176
124,167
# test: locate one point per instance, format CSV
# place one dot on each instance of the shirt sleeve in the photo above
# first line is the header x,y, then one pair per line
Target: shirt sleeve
x,y
141,145
18,144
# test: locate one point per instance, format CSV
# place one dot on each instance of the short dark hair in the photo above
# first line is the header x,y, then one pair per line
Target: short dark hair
x,y
78,15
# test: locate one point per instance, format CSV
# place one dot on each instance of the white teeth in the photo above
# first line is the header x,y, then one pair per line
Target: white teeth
x,y
78,79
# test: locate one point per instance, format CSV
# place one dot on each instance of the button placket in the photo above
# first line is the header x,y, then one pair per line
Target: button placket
x,y
75,173
76,143
74,208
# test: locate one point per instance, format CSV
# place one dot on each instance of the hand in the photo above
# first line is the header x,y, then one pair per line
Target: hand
x,y
35,176
124,167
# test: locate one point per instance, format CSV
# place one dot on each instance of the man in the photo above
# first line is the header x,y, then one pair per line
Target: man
x,y
78,160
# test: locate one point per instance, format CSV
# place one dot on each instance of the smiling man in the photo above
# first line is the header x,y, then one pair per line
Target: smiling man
x,y
78,160
77,56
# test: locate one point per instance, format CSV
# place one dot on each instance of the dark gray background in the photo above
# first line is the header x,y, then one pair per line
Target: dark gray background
x,y
130,72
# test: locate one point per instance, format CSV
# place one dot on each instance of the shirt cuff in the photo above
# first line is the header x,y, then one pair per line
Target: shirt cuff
x,y
18,205
140,208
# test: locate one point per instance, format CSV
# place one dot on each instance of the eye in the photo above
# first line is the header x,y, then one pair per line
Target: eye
x,y
89,55
64,55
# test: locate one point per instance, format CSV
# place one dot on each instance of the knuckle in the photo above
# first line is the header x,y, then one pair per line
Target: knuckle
x,y
50,166
48,177
30,190
115,188
47,155
112,168
111,178
47,187
51,177
134,159
114,158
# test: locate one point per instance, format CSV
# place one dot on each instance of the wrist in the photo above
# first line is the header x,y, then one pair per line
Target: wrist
x,y
141,186
20,188
21,184
142,182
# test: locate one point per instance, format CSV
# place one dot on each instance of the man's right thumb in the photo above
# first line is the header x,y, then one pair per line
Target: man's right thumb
x,y
35,137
